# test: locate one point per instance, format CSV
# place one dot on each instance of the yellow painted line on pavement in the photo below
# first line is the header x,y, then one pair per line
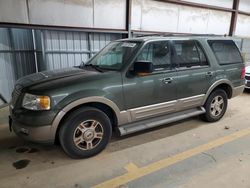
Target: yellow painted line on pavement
x,y
131,167
134,172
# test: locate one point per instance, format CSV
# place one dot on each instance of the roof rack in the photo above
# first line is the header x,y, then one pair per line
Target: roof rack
x,y
179,34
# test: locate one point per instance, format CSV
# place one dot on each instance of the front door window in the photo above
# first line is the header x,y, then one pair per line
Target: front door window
x,y
158,53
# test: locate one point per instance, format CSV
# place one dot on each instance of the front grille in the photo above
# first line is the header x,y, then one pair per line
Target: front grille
x,y
16,93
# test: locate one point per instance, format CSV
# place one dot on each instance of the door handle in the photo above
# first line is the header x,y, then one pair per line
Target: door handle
x,y
167,80
209,73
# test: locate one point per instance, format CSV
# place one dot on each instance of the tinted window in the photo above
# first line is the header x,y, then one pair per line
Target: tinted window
x,y
158,53
188,54
225,51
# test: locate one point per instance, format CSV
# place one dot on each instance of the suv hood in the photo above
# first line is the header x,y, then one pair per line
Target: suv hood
x,y
52,75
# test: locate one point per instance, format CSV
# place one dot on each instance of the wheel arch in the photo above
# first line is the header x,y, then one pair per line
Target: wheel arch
x,y
224,84
103,104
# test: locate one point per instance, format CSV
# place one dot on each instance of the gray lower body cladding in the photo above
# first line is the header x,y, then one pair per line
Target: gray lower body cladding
x,y
161,120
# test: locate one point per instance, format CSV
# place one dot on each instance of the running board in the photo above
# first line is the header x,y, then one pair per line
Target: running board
x,y
157,121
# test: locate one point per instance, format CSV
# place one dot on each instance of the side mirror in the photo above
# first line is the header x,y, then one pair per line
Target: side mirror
x,y
143,68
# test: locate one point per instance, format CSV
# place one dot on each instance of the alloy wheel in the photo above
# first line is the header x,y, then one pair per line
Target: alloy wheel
x,y
88,134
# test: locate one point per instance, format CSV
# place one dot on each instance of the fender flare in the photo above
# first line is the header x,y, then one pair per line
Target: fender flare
x,y
78,102
214,85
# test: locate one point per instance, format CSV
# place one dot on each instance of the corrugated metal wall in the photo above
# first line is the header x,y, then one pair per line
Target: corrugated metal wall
x,y
23,51
16,58
65,49
6,65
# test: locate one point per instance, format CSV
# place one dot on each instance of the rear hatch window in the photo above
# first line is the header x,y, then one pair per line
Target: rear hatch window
x,y
225,51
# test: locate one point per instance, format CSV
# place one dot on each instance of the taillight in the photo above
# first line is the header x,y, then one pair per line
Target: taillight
x,y
243,72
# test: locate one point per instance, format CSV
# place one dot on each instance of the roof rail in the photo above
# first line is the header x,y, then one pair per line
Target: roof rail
x,y
179,34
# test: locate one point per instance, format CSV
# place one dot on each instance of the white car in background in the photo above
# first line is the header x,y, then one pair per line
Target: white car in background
x,y
247,83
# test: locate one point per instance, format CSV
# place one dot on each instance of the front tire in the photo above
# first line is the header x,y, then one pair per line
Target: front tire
x,y
85,132
215,106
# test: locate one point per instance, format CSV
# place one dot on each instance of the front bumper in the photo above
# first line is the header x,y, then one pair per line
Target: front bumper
x,y
247,84
42,134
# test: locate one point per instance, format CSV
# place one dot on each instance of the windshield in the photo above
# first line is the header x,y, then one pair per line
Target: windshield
x,y
114,55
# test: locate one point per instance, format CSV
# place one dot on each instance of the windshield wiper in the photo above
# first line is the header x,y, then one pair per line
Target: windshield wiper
x,y
96,67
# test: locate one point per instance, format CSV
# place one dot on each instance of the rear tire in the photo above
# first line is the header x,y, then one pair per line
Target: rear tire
x,y
215,106
85,132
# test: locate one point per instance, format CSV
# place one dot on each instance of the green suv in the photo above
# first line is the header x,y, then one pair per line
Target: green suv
x,y
129,86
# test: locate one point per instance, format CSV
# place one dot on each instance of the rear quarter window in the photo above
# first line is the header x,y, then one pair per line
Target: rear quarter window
x,y
225,51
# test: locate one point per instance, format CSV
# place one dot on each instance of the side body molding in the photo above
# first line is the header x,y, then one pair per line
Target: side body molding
x,y
78,102
214,85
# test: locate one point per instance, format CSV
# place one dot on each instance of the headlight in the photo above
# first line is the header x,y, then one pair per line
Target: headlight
x,y
36,102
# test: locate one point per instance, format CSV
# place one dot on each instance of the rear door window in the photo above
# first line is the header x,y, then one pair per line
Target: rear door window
x,y
188,54
225,51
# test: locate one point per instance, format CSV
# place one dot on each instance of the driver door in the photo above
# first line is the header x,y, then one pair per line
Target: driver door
x,y
155,93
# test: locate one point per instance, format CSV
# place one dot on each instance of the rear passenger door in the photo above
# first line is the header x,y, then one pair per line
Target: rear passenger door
x,y
194,73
